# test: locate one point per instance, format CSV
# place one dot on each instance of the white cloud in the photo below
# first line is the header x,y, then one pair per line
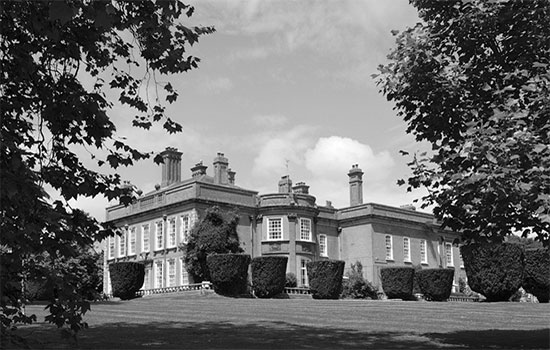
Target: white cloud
x,y
281,149
270,121
215,85
333,156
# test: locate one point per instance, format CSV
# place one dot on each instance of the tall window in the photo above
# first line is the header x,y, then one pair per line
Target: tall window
x,y
145,233
460,258
323,249
159,235
423,252
389,248
171,273
159,274
172,232
303,273
185,228
122,244
274,228
111,247
305,229
406,249
184,274
132,241
449,254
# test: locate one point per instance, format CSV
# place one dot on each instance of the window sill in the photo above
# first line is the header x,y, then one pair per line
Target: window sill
x,y
424,263
408,262
390,260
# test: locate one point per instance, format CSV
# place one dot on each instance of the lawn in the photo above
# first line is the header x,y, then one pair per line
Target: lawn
x,y
190,321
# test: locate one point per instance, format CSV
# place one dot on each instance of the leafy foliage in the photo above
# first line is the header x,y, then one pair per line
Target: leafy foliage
x,y
61,63
397,282
216,233
536,276
494,270
473,80
355,286
268,275
291,280
325,278
126,278
229,273
435,284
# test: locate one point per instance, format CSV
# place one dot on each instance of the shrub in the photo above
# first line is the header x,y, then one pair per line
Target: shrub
x,y
268,275
494,270
355,286
291,281
126,279
536,277
325,278
215,233
397,282
435,284
229,273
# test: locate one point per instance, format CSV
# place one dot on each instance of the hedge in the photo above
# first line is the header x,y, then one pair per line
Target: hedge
x,y
435,284
494,270
268,275
126,278
536,276
325,278
229,273
397,282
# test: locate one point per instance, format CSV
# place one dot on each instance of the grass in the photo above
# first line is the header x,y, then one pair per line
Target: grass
x,y
192,321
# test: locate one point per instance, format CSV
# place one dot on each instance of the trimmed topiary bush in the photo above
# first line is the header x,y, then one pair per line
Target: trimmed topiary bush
x,y
435,284
494,270
291,280
126,278
268,275
356,286
397,282
229,273
536,275
325,278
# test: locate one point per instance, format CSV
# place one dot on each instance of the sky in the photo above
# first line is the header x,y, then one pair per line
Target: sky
x,y
285,88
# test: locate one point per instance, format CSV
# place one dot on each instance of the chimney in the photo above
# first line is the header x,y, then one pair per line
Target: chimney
x,y
285,184
301,187
198,170
171,166
231,176
355,185
220,169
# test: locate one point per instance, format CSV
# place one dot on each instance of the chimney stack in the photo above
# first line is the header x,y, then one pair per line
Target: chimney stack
x,y
285,184
231,176
198,170
220,169
301,187
171,166
355,185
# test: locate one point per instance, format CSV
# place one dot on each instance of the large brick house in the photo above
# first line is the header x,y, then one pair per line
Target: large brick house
x,y
288,223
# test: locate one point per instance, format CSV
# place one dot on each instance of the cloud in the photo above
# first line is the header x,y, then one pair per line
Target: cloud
x,y
333,156
279,149
215,85
270,121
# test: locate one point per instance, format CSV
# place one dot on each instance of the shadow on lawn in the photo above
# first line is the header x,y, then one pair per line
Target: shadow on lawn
x,y
282,335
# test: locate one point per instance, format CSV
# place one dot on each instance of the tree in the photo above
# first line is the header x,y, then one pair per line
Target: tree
x,y
216,233
472,80
60,62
